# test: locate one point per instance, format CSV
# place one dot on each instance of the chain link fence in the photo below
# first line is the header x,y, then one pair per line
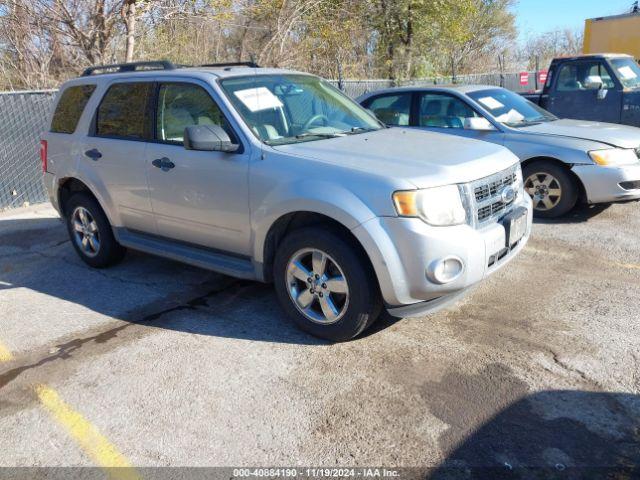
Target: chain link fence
x,y
511,81
24,116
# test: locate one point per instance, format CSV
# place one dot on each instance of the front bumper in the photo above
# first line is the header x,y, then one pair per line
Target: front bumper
x,y
603,184
402,249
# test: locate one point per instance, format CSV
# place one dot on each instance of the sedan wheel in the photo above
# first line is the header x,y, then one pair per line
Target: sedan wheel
x,y
544,189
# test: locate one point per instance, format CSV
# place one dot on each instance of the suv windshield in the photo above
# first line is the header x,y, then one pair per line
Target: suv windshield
x,y
283,109
628,72
510,108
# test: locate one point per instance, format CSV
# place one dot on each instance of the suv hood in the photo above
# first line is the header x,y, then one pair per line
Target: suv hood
x,y
425,159
612,134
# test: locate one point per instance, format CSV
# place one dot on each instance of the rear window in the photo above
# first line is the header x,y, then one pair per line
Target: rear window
x,y
70,108
124,111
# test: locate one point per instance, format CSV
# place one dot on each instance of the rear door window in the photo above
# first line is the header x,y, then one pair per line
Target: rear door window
x,y
392,109
70,107
125,111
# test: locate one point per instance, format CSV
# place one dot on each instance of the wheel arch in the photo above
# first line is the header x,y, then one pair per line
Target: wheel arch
x,y
582,193
71,185
296,220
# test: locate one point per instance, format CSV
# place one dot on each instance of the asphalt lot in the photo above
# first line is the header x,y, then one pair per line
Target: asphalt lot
x,y
153,363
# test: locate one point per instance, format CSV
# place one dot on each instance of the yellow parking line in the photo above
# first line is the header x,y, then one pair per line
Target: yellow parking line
x,y
87,436
629,265
5,354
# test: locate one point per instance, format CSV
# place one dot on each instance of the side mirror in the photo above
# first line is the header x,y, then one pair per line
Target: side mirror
x,y
602,93
478,123
593,82
210,138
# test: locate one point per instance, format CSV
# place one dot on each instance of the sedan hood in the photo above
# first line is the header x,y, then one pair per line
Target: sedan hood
x,y
612,134
425,159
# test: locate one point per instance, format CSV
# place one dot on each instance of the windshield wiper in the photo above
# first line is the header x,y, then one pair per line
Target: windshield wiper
x,y
356,130
319,135
525,123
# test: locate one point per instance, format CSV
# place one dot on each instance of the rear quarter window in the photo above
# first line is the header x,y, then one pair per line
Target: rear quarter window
x,y
70,108
124,111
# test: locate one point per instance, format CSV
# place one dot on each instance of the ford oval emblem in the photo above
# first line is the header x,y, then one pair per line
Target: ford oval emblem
x,y
508,195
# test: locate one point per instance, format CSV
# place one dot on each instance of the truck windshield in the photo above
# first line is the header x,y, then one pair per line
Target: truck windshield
x,y
282,109
628,72
510,108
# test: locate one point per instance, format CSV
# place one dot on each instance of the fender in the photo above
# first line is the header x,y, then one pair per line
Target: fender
x,y
315,196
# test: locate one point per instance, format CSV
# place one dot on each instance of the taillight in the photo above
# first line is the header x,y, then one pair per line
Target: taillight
x,y
43,155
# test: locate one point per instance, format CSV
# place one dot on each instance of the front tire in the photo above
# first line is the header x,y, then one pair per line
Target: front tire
x,y
551,187
91,233
325,284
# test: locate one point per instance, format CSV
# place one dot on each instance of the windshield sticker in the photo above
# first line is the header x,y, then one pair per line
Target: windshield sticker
x,y
627,73
491,103
256,99
513,116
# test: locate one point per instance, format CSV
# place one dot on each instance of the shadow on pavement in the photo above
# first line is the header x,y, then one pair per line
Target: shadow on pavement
x,y
556,434
35,254
580,214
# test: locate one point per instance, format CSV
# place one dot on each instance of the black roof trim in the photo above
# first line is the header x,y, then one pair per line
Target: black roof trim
x,y
232,64
130,67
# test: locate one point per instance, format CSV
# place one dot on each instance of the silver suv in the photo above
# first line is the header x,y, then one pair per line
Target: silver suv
x,y
273,175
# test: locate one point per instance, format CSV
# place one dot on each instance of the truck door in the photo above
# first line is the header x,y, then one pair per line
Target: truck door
x,y
576,94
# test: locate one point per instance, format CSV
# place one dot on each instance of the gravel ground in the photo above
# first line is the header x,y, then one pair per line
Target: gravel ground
x,y
177,366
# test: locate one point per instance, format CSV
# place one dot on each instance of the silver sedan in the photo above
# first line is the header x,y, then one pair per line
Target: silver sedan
x,y
563,161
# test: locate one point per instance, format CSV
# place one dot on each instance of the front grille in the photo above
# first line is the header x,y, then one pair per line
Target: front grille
x,y
493,210
487,202
490,189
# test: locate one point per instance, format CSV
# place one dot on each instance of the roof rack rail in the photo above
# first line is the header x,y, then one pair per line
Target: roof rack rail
x,y
232,64
130,67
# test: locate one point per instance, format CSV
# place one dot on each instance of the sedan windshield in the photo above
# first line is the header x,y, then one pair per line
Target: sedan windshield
x,y
283,109
628,72
510,108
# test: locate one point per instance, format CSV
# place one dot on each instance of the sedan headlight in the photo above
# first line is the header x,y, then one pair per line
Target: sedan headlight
x,y
439,206
613,157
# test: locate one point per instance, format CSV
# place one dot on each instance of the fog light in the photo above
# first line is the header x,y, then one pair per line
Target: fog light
x,y
445,270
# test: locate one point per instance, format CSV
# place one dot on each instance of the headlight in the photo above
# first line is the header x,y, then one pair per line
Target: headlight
x,y
439,206
614,156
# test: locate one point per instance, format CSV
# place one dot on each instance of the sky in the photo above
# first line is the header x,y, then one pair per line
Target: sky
x,y
538,16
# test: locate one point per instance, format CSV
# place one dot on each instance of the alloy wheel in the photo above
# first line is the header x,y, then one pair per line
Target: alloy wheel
x,y
317,286
85,231
544,189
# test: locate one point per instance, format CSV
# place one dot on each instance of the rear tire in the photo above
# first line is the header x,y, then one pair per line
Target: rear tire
x,y
551,187
90,232
325,284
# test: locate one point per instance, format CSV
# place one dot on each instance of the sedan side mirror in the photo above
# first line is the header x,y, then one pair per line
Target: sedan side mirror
x,y
478,123
210,138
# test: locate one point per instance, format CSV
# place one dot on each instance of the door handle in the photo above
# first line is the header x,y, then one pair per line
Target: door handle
x,y
94,154
163,164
